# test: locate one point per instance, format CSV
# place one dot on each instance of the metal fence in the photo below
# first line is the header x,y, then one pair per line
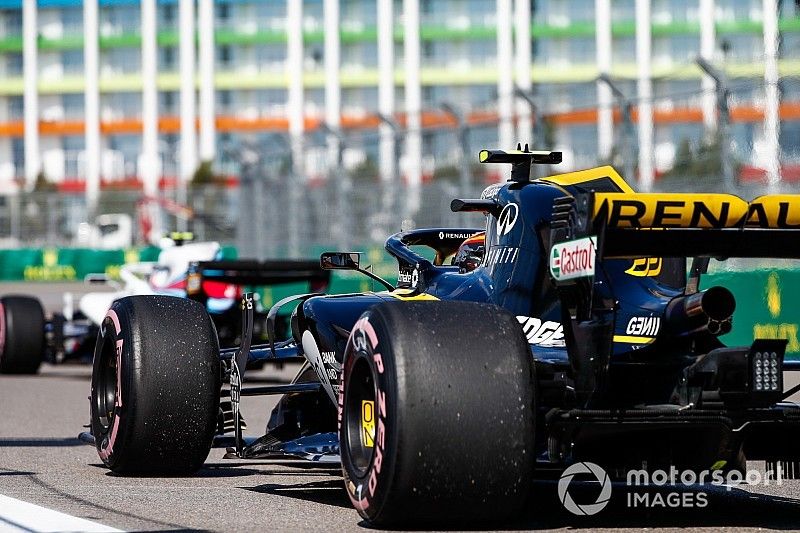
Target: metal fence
x,y
270,217
259,217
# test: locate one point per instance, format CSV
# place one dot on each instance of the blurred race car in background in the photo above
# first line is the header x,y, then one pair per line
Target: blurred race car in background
x,y
186,269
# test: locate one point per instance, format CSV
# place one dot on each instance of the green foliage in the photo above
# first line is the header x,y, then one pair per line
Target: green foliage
x,y
365,171
43,184
548,134
683,159
447,173
704,162
204,175
613,158
477,172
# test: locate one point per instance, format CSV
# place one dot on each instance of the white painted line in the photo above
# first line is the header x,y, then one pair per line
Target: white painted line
x,y
16,515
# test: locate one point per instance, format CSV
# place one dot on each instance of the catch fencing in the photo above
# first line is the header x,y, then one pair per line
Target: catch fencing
x,y
269,217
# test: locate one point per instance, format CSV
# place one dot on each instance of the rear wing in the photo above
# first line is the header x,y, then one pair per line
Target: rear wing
x,y
635,225
258,273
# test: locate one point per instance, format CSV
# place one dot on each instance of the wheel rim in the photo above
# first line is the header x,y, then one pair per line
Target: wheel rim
x,y
106,390
360,416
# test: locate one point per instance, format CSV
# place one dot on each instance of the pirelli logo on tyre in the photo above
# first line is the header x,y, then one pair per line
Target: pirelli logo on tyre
x,y
573,259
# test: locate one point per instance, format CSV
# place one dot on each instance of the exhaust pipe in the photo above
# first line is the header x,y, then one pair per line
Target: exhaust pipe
x,y
709,311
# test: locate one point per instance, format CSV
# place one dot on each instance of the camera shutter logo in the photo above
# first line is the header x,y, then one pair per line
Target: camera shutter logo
x,y
585,509
507,219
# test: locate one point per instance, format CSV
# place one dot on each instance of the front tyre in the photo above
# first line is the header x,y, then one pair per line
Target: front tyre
x,y
22,342
155,386
437,414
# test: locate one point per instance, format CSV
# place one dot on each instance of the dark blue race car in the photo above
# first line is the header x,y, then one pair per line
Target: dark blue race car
x,y
580,336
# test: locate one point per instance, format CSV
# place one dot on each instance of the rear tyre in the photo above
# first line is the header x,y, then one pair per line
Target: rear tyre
x,y
437,414
155,386
22,342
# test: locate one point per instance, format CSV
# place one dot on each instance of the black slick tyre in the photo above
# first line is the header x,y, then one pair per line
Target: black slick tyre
x,y
22,342
437,415
155,386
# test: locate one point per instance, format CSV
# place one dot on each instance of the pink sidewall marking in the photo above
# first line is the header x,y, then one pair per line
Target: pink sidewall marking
x,y
370,331
363,324
360,505
118,402
105,451
115,319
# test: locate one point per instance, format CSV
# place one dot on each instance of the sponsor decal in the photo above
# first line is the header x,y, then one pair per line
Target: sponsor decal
x,y
646,326
49,270
779,329
673,210
460,236
328,376
573,259
408,279
329,358
645,267
507,219
332,368
544,333
404,278
45,273
491,191
501,255
785,331
774,295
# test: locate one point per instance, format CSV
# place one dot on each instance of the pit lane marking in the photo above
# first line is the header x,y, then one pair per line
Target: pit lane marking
x,y
17,515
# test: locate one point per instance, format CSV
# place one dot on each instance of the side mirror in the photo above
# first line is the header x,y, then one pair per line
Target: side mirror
x,y
340,260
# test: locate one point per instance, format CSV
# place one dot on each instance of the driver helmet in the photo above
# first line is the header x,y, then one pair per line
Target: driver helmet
x,y
470,253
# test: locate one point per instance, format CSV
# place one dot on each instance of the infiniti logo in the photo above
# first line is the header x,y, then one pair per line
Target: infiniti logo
x,y
507,219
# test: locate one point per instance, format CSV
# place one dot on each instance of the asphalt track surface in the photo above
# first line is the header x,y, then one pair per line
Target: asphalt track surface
x,y
42,462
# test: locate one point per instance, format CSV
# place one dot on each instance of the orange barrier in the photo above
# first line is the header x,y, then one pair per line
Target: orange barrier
x,y
429,119
681,114
12,129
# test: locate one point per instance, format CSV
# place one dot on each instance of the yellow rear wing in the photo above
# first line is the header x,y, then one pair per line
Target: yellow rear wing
x,y
696,211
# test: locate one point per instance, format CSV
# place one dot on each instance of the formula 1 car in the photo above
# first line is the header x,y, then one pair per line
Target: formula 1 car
x,y
580,337
186,269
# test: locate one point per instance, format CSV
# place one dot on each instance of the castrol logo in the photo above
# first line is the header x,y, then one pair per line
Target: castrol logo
x,y
573,259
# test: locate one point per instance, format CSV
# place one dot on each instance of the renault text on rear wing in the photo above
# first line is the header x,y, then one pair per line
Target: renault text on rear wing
x,y
717,211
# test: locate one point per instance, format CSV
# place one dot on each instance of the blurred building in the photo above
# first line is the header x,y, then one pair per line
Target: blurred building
x,y
113,110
